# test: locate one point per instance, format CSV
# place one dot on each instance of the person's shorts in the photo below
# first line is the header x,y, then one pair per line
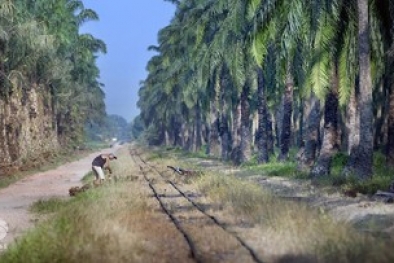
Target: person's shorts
x,y
98,171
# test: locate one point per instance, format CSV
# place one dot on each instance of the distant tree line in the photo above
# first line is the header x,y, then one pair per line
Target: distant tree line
x,y
262,77
112,126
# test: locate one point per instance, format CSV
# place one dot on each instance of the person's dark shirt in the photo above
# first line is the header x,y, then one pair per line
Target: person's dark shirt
x,y
99,161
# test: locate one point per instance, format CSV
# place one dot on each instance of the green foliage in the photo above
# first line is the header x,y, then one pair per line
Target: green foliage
x,y
338,162
40,45
152,135
380,180
137,127
274,168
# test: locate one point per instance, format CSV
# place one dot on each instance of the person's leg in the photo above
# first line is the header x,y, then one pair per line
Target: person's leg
x,y
99,174
95,181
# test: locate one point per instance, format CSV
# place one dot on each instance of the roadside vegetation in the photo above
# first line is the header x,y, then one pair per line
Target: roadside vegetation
x,y
119,222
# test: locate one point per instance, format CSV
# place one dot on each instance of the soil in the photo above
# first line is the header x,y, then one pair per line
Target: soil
x,y
16,199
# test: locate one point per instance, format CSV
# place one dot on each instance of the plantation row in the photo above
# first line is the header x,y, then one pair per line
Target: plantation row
x,y
257,78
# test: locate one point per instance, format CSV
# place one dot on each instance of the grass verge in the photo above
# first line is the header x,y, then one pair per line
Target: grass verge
x,y
289,228
88,228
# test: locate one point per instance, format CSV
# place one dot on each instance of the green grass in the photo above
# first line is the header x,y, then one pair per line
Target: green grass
x,y
274,168
380,180
51,205
228,190
90,227
89,177
7,180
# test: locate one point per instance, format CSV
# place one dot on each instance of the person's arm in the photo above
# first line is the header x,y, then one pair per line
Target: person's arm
x,y
107,166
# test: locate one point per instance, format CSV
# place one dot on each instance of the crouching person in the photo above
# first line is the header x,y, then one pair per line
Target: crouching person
x,y
101,163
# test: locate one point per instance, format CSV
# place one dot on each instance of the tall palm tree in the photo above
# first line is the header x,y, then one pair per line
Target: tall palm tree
x,y
360,163
262,143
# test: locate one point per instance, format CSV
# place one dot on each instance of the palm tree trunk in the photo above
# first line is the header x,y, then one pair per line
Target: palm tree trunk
x,y
214,144
278,116
262,144
301,120
224,127
330,134
177,129
352,121
308,155
245,150
390,133
225,137
255,128
188,146
360,162
198,125
183,134
236,134
270,134
285,135
381,113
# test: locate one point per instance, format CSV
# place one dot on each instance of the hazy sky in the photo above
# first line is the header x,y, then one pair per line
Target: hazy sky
x,y
128,27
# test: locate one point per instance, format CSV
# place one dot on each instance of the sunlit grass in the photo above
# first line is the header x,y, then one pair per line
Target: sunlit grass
x,y
90,229
290,228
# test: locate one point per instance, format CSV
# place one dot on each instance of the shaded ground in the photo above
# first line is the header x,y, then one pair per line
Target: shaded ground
x,y
16,199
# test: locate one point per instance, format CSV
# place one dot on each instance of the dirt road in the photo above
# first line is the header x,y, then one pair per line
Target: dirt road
x,y
16,199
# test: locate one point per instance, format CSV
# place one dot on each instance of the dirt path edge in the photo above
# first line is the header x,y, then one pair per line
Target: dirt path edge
x,y
16,199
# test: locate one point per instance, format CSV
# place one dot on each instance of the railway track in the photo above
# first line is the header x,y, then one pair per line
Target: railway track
x,y
152,175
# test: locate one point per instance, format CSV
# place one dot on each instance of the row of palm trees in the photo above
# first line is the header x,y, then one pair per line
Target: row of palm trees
x,y
262,76
40,45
